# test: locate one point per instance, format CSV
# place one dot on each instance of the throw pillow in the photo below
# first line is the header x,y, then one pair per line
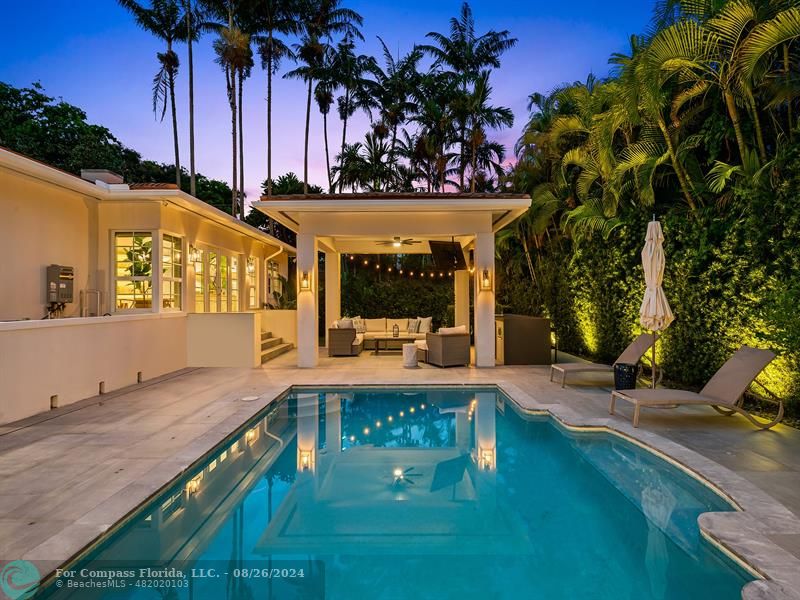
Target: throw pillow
x,y
359,324
413,326
424,324
346,324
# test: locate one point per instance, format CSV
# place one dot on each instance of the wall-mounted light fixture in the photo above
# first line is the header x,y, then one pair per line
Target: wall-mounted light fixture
x,y
486,459
305,281
193,485
486,280
251,265
305,460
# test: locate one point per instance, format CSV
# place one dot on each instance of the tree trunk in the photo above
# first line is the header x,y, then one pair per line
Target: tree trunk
x,y
461,166
733,112
230,77
762,149
189,33
269,118
327,154
241,147
308,122
171,80
675,164
473,163
789,103
344,129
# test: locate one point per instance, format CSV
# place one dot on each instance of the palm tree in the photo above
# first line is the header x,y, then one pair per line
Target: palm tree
x,y
480,116
164,20
322,19
466,54
393,89
235,57
323,94
351,71
273,18
193,16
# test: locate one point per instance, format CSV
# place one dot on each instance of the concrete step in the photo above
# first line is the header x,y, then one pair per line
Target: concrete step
x,y
267,355
267,343
265,335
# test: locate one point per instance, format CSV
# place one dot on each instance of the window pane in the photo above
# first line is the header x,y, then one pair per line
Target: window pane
x,y
199,284
133,268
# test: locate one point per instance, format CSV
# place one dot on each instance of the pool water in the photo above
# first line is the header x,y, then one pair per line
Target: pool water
x,y
420,493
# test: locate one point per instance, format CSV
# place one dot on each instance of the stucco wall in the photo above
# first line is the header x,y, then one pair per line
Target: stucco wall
x,y
224,339
41,224
70,357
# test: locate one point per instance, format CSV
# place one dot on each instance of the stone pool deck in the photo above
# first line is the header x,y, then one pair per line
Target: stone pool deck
x,y
70,474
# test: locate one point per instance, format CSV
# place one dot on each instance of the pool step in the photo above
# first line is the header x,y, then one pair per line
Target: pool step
x,y
272,347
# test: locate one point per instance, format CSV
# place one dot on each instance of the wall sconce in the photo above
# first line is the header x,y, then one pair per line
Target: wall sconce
x,y
486,459
193,485
305,281
486,280
251,436
251,265
305,460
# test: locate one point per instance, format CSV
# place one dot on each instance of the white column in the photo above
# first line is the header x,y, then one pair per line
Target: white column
x,y
333,289
461,298
333,423
307,432
484,300
307,339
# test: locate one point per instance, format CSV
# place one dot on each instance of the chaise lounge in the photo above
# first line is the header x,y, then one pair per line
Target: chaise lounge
x,y
631,355
724,391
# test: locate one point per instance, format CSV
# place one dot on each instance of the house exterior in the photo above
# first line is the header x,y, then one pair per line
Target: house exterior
x,y
107,284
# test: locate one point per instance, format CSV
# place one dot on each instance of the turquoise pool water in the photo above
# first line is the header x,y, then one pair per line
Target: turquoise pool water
x,y
415,493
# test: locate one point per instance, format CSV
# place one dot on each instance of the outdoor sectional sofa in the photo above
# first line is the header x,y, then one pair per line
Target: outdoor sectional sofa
x,y
345,339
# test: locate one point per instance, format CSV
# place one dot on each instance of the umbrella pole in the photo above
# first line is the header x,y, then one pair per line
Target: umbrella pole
x,y
654,360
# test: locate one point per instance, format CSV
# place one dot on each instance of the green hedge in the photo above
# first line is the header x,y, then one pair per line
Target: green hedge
x,y
732,278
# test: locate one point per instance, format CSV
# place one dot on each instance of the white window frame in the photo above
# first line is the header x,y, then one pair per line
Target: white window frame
x,y
162,278
251,282
155,258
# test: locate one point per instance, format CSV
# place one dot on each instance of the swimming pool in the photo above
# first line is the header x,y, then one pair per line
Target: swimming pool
x,y
414,493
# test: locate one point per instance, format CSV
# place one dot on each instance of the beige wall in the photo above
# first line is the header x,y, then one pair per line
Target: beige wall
x,y
41,224
224,339
281,323
70,357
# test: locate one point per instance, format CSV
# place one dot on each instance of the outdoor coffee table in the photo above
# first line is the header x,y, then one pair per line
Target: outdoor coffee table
x,y
390,338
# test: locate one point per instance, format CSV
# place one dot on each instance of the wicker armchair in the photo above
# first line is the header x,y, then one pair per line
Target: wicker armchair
x,y
343,342
447,350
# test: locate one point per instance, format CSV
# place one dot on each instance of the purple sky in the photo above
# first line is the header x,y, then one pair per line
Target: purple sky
x,y
95,57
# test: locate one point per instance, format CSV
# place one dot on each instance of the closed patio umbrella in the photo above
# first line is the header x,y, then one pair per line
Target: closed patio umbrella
x,y
655,313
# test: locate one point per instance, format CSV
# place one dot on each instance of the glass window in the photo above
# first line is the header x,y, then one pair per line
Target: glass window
x,y
274,284
213,282
199,281
252,283
172,272
234,284
133,270
223,283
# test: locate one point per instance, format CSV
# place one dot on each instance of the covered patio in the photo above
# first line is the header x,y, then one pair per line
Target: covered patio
x,y
379,223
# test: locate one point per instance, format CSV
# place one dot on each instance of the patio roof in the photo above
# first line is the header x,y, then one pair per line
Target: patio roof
x,y
354,222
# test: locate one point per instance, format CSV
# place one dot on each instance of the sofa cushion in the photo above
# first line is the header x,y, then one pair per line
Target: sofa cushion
x,y
421,344
375,325
424,324
359,339
453,330
359,324
345,324
402,325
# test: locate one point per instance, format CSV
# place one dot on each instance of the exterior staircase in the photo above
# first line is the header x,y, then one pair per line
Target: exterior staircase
x,y
272,347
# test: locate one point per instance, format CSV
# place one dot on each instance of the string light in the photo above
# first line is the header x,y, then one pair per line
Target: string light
x,y
366,262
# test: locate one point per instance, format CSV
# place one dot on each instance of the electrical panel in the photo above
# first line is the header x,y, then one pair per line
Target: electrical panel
x,y
60,284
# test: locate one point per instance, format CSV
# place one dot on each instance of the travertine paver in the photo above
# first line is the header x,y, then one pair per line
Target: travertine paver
x,y
67,476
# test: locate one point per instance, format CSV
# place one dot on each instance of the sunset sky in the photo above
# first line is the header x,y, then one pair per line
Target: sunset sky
x,y
92,54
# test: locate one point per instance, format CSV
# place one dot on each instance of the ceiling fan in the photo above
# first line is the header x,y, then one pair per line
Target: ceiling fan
x,y
397,242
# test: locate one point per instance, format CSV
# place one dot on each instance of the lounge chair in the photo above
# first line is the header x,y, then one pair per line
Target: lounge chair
x,y
631,355
723,392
